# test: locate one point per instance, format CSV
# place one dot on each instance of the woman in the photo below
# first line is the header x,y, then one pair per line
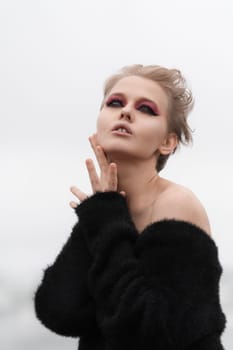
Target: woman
x,y
140,268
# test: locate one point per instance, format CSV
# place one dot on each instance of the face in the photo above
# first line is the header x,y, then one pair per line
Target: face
x,y
141,105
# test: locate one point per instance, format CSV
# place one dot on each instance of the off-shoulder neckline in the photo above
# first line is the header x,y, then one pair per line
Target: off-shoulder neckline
x,y
174,222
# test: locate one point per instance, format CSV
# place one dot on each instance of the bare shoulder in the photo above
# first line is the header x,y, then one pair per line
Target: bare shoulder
x,y
180,203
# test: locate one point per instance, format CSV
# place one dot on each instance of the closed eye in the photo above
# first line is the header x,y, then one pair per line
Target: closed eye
x,y
115,102
146,109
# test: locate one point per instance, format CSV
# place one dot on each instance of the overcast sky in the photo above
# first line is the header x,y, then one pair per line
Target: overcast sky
x,y
55,56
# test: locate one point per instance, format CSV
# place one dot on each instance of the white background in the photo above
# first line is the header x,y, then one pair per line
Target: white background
x,y
54,58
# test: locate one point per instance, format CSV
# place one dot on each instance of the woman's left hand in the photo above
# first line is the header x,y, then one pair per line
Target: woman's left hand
x,y
108,174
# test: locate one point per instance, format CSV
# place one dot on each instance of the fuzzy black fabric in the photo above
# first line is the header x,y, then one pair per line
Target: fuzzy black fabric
x,y
115,288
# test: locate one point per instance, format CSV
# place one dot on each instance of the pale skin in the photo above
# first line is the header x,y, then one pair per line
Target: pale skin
x,y
107,181
127,164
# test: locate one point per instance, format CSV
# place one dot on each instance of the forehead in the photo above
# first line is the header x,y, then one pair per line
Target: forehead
x,y
137,87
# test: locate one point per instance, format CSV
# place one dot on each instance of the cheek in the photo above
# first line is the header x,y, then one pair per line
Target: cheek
x,y
101,127
153,135
153,132
100,122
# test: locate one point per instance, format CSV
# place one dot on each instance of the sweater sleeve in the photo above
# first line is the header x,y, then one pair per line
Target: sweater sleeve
x,y
62,301
160,286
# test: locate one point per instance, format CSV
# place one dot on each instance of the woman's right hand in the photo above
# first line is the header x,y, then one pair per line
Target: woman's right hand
x,y
108,174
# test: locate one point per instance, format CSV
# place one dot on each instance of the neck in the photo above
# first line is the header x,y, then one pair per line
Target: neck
x,y
139,180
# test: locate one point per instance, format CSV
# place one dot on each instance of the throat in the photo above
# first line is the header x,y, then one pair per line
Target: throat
x,y
143,218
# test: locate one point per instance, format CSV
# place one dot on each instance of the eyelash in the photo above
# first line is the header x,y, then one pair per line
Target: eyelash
x,y
149,109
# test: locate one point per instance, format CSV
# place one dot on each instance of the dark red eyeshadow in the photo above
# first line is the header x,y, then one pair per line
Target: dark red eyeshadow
x,y
115,97
150,104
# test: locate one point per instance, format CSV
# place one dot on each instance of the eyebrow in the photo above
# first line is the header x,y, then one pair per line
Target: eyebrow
x,y
140,99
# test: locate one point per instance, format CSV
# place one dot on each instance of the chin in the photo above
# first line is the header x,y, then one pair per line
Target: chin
x,y
113,146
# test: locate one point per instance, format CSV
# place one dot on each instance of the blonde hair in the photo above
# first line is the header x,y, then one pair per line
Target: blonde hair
x,y
179,96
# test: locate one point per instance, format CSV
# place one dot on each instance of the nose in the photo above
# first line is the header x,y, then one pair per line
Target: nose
x,y
126,113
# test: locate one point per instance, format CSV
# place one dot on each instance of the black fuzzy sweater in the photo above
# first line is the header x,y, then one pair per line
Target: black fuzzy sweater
x,y
117,289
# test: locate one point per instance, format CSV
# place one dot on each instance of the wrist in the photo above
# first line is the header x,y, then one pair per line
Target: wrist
x,y
103,207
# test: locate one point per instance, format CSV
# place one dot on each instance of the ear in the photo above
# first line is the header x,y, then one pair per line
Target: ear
x,y
168,144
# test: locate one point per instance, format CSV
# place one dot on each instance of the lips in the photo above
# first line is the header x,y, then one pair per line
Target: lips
x,y
122,126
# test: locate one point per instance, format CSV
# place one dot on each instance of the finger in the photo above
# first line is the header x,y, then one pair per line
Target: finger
x,y
123,193
96,143
93,141
78,193
99,153
94,178
101,158
112,182
73,204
